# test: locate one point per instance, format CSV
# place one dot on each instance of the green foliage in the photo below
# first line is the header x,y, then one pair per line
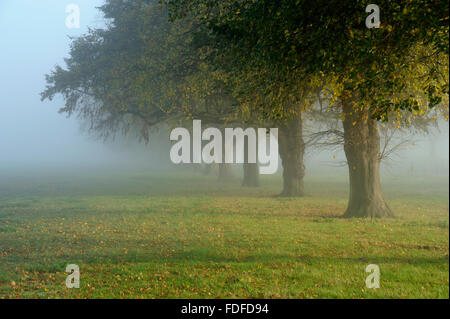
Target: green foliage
x,y
138,72
300,42
252,61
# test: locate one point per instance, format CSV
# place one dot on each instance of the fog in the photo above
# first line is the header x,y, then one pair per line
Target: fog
x,y
423,154
82,217
35,39
33,134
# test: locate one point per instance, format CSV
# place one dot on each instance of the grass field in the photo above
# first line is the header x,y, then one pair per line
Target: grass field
x,y
145,235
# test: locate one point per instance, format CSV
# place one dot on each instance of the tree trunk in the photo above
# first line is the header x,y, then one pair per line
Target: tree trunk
x,y
251,170
292,149
362,149
207,169
225,173
251,175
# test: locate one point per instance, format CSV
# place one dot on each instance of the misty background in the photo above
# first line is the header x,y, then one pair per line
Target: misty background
x,y
33,136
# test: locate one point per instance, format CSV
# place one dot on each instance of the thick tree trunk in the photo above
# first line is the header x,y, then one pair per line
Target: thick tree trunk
x,y
251,175
207,169
292,149
225,173
362,149
251,170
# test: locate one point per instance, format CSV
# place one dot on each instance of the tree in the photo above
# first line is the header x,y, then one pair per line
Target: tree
x,y
251,170
114,76
140,72
420,85
328,40
265,93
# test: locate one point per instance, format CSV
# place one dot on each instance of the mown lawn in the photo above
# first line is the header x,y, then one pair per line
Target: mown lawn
x,y
143,235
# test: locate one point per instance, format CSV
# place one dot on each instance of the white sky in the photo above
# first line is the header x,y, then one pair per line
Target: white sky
x,y
34,38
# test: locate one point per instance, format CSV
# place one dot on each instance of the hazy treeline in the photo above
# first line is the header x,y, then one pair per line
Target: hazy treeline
x,y
324,78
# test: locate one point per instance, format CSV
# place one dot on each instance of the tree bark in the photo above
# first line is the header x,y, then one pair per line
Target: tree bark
x,y
362,149
251,170
207,169
251,175
225,173
292,149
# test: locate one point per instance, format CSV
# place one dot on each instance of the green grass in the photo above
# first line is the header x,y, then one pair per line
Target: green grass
x,y
140,235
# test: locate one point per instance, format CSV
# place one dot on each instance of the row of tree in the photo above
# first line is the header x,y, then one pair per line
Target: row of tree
x,y
269,63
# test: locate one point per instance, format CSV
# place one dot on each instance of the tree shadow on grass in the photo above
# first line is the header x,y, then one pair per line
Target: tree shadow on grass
x,y
210,259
